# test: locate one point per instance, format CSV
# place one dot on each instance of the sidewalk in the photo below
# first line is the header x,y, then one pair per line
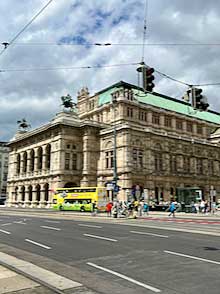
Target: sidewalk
x,y
50,212
12,282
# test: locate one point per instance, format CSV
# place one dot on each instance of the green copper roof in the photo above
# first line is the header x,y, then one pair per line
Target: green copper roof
x,y
160,101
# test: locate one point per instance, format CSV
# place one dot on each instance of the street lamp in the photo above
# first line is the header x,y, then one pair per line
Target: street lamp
x,y
115,173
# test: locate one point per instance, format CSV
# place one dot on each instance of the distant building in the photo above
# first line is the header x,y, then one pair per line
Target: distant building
x,y
4,153
162,144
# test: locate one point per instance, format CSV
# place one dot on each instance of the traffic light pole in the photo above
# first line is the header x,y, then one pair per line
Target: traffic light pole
x,y
115,174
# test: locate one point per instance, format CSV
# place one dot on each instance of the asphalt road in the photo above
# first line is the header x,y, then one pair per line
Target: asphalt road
x,y
123,257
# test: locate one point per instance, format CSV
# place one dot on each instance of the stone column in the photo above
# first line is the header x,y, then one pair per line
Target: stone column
x,y
34,197
26,202
44,157
194,129
184,126
149,117
28,161
9,200
162,120
22,164
19,196
90,157
35,160
41,202
173,123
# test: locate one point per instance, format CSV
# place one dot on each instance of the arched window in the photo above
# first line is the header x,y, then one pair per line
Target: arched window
x,y
23,193
32,160
173,163
70,185
48,156
46,192
18,167
158,162
38,193
30,193
16,194
25,162
39,158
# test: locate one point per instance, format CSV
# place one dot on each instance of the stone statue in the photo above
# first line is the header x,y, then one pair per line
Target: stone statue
x,y
23,125
67,102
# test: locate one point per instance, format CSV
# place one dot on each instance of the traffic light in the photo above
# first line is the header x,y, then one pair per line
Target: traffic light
x,y
199,101
205,104
148,78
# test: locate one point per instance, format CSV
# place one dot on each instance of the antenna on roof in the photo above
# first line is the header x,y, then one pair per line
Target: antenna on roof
x,y
145,30
145,71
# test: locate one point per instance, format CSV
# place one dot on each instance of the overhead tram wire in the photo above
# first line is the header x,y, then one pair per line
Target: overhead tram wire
x,y
184,83
7,44
109,44
67,68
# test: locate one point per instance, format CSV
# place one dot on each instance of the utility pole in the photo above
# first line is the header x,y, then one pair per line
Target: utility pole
x,y
115,173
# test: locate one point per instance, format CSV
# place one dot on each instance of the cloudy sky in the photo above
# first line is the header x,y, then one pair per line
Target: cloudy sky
x,y
60,38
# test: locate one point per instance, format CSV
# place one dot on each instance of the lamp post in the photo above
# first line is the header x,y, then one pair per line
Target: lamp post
x,y
115,173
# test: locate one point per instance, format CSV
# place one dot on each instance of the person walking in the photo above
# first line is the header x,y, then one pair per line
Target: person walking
x,y
130,209
109,209
172,209
115,210
94,208
146,208
136,206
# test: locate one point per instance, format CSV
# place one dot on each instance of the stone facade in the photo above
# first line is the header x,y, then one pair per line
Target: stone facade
x,y
4,152
158,148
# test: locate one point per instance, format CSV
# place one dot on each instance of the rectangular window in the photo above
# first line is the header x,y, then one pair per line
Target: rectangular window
x,y
199,166
74,161
168,122
109,159
137,157
129,112
140,158
173,163
179,124
156,119
67,161
189,127
199,129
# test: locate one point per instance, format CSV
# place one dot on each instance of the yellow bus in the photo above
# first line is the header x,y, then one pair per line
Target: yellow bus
x,y
80,198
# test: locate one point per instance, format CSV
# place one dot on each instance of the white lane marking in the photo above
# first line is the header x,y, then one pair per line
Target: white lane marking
x,y
6,232
20,222
99,237
125,277
50,228
54,222
89,226
192,257
6,224
150,234
38,244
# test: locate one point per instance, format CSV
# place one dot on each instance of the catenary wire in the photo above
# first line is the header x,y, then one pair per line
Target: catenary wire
x,y
104,66
24,28
108,44
67,68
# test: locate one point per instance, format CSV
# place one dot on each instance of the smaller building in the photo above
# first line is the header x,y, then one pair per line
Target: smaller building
x,y
4,153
